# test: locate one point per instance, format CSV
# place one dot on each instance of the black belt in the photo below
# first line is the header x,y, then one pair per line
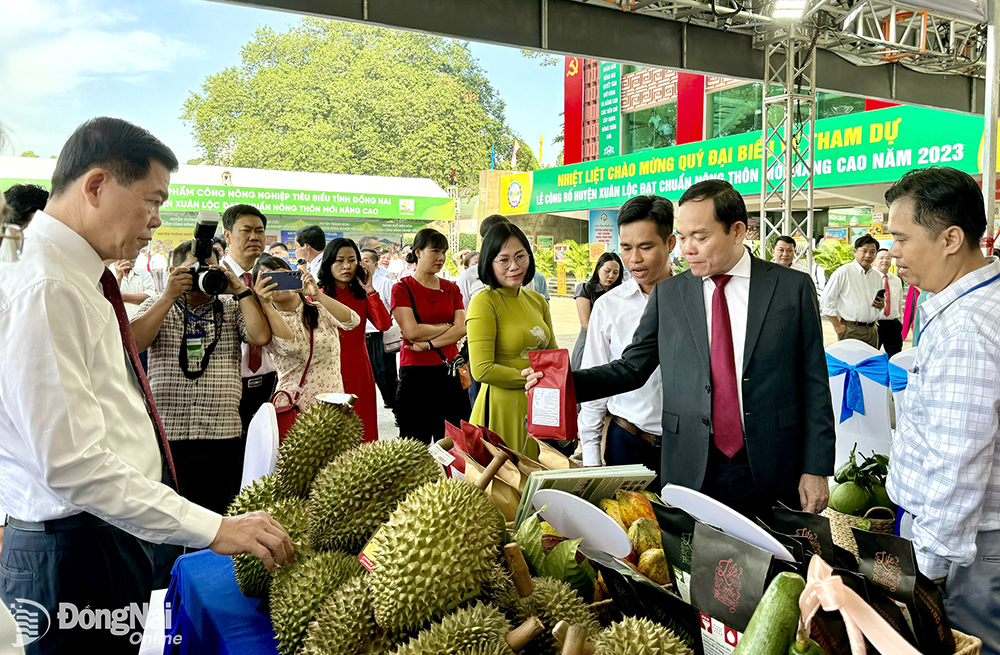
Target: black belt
x,y
82,521
860,324
650,438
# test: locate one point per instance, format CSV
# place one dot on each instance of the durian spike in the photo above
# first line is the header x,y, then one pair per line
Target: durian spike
x,y
498,461
446,443
559,632
519,637
576,640
518,570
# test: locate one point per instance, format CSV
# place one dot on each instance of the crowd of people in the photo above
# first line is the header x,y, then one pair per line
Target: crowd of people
x,y
715,379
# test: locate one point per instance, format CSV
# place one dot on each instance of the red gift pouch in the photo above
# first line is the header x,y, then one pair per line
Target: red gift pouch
x,y
474,444
552,402
458,439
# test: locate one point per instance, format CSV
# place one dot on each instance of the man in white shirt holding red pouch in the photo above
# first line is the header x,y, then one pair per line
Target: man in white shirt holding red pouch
x,y
646,239
82,450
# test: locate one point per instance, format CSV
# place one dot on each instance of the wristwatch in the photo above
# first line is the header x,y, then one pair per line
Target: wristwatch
x,y
246,293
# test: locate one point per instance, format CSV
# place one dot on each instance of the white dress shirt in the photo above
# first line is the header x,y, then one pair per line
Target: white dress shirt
x,y
383,285
396,267
945,459
314,266
135,281
469,284
74,432
895,299
850,292
266,363
738,299
613,322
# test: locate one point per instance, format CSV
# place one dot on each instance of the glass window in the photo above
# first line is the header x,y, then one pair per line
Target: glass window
x,y
655,127
736,110
628,68
834,104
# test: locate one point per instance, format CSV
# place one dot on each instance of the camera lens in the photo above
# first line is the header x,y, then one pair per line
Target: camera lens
x,y
211,281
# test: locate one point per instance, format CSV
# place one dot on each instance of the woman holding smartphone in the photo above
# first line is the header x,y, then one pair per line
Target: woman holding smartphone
x,y
343,279
316,325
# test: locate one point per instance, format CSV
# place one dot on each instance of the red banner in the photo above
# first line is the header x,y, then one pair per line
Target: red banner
x,y
573,111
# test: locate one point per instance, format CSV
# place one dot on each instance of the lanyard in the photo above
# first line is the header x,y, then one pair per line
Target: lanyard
x,y
964,293
217,315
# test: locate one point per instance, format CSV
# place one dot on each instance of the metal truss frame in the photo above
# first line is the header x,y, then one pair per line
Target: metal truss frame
x,y
787,160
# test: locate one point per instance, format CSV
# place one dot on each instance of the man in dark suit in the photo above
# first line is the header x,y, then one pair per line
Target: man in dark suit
x,y
747,435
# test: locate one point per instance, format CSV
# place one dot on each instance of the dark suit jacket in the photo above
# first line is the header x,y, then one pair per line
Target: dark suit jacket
x,y
788,413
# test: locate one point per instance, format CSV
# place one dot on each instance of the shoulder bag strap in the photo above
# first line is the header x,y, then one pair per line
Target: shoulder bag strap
x,y
305,371
416,315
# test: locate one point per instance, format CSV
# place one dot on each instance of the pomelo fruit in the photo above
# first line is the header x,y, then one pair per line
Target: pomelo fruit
x,y
850,498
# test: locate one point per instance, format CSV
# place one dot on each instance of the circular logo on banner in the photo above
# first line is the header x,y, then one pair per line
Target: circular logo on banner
x,y
514,194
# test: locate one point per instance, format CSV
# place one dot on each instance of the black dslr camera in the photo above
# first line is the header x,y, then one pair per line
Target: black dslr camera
x,y
207,280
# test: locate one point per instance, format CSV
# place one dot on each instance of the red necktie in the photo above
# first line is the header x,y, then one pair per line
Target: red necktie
x,y
727,430
885,278
254,358
114,296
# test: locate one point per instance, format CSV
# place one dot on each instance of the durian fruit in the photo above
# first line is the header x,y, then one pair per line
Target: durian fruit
x,y
318,435
475,629
437,550
633,636
251,575
345,625
300,589
551,601
356,492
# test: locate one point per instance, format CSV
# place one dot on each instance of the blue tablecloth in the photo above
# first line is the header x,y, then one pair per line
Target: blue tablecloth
x,y
209,612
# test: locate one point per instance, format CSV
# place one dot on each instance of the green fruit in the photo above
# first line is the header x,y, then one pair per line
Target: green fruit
x,y
299,589
850,498
437,550
477,629
863,524
653,498
635,636
803,645
880,497
355,493
552,601
772,627
319,434
251,575
345,625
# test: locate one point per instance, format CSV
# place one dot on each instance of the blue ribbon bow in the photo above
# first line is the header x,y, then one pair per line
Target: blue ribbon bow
x,y
877,368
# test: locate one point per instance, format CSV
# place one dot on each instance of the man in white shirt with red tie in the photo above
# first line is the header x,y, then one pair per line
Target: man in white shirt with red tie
x,y
851,299
80,440
243,228
890,328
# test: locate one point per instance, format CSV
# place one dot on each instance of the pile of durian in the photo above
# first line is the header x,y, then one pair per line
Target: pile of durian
x,y
438,585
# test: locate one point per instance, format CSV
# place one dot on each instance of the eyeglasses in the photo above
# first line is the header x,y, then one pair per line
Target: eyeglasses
x,y
506,262
11,242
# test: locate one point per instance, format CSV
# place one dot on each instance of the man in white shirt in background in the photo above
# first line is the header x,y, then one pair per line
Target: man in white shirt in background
x,y
80,449
468,280
890,328
309,244
851,300
645,240
944,466
383,363
136,285
243,228
157,265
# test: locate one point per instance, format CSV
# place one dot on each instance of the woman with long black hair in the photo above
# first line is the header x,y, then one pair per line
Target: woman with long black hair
x,y
431,315
607,275
342,278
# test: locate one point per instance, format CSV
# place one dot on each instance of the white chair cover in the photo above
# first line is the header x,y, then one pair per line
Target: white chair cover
x,y
262,445
905,360
154,631
870,430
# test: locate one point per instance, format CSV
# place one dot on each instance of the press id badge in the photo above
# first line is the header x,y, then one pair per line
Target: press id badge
x,y
195,349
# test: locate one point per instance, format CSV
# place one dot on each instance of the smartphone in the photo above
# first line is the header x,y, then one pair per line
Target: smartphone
x,y
287,280
880,294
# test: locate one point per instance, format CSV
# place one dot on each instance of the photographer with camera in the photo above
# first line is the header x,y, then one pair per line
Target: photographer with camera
x,y
194,339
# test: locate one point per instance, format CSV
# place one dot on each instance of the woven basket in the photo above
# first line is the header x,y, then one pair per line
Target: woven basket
x,y
966,644
841,524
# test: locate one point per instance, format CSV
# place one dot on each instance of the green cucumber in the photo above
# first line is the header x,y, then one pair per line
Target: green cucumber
x,y
803,645
773,624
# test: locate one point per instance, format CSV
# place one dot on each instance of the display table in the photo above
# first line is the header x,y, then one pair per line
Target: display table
x,y
210,614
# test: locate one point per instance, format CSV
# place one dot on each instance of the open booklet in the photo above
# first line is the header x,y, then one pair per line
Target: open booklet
x,y
591,483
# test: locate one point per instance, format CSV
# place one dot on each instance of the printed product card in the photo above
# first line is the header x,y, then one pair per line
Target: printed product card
x,y
717,638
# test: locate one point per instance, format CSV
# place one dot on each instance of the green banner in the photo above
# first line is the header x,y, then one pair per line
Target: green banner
x,y
864,148
363,206
610,108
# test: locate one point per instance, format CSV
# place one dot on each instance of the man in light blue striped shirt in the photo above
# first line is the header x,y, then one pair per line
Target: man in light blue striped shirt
x,y
945,464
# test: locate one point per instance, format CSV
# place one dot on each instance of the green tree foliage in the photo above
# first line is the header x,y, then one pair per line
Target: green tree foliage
x,y
466,241
526,160
578,260
29,153
543,58
338,97
833,254
545,262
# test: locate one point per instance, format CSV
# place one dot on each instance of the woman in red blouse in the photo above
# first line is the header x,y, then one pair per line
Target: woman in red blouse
x,y
431,315
343,279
